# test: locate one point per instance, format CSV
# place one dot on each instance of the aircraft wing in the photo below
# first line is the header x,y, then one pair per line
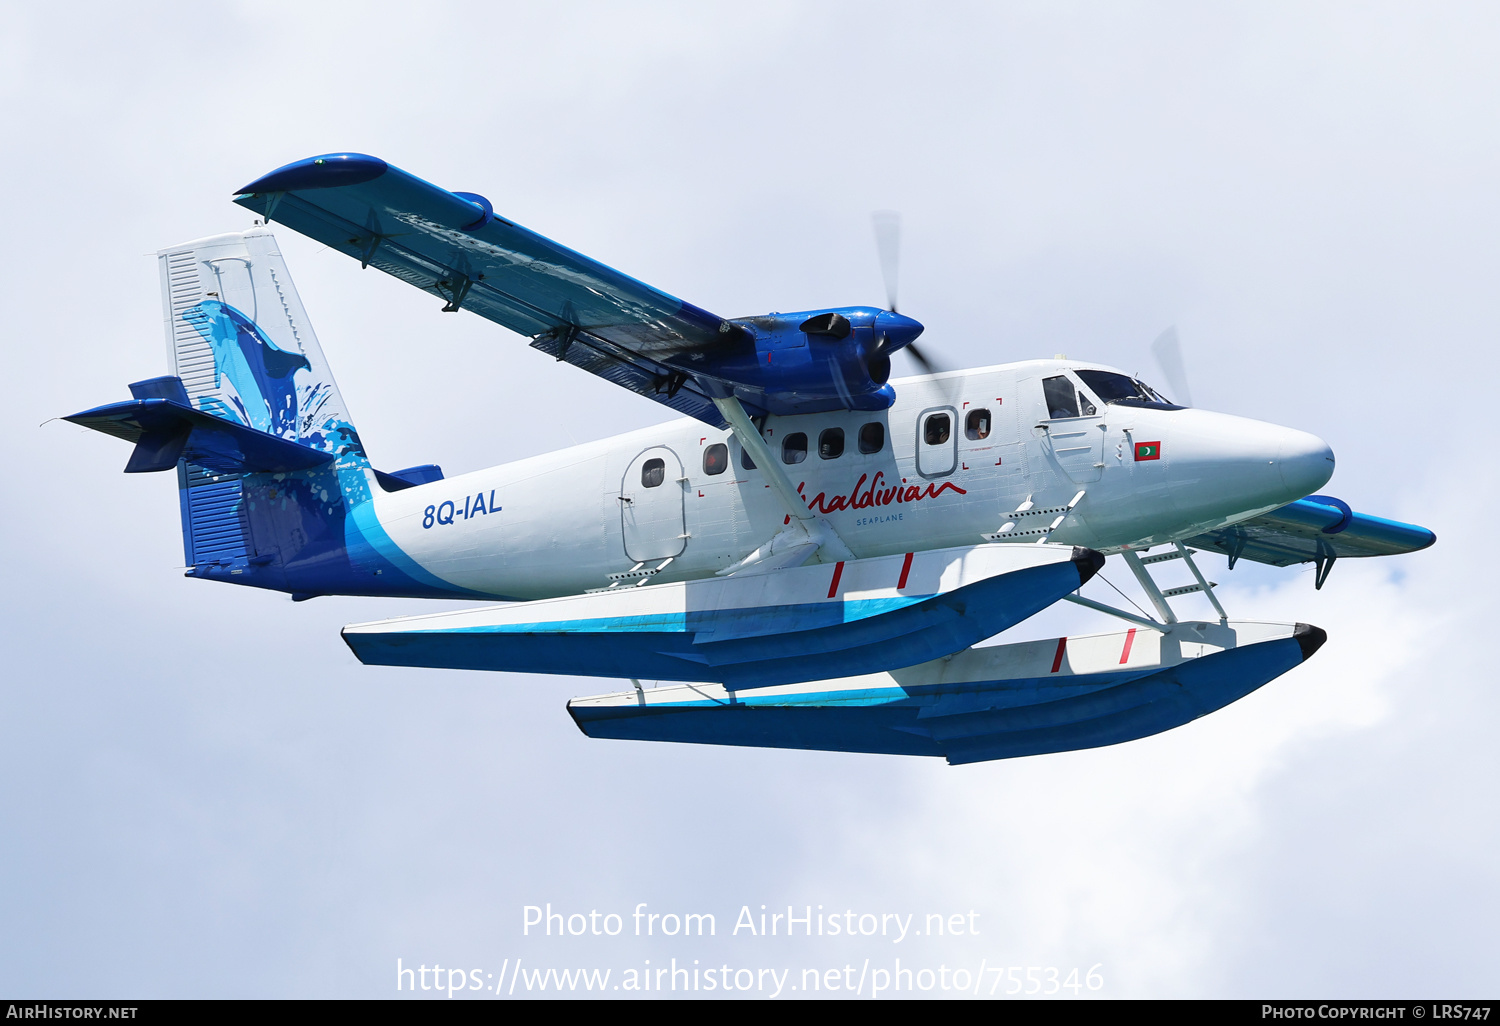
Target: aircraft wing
x,y
1317,529
453,246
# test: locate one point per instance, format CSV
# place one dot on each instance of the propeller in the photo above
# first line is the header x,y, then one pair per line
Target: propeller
x,y
1168,352
888,248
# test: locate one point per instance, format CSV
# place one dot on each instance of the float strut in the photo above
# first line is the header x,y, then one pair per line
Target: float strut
x,y
1143,576
1208,589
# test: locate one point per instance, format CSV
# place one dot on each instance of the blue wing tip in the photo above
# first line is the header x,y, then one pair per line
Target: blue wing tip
x,y
1425,538
326,171
1413,536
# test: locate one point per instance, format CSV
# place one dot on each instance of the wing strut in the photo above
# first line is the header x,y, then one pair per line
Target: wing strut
x,y
804,521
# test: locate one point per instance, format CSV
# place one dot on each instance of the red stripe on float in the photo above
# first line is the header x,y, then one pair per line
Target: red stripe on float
x,y
905,572
838,571
1129,640
1062,644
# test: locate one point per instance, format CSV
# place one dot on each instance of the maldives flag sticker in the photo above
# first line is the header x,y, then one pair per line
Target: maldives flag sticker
x,y
1147,451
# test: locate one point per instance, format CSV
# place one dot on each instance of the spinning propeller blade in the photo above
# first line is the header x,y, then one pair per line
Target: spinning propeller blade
x,y
888,248
1168,352
928,367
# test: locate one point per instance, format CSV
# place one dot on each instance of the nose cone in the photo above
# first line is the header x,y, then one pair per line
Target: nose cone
x,y
1222,467
1306,463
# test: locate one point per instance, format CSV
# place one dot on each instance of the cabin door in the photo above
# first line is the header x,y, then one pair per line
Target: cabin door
x,y
651,506
1073,430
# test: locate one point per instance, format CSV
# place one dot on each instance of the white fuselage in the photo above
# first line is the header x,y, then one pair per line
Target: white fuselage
x,y
561,523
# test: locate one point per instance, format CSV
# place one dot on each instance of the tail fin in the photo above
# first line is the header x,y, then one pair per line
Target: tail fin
x,y
272,477
240,340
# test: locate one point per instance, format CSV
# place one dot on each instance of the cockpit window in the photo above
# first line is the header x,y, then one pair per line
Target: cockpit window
x,y
1060,396
1124,390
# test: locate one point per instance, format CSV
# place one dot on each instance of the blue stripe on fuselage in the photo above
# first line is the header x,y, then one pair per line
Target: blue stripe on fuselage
x,y
367,542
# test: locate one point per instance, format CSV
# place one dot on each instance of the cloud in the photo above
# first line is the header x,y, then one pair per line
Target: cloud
x,y
1319,837
209,797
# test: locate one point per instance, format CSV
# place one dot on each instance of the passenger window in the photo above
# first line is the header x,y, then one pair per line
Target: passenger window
x,y
977,425
794,448
831,444
1062,401
937,429
872,437
716,459
653,473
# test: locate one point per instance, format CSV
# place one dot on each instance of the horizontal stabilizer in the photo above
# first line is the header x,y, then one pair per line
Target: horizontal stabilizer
x,y
1314,529
165,428
1002,702
749,631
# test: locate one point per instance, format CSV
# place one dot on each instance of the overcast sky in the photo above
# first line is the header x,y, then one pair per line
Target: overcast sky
x,y
205,795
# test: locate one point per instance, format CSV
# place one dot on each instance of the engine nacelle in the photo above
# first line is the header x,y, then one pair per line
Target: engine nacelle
x,y
816,360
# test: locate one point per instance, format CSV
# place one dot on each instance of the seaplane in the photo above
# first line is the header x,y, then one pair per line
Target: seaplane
x,y
809,556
